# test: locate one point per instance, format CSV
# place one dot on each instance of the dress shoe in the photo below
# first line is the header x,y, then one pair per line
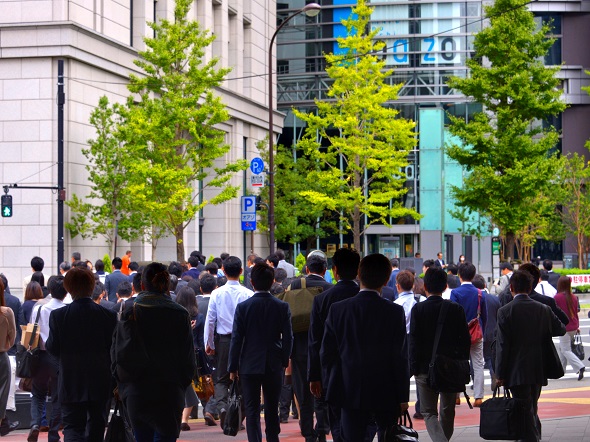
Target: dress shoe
x,y
222,414
477,402
184,427
43,428
6,426
581,373
418,415
33,434
209,419
284,420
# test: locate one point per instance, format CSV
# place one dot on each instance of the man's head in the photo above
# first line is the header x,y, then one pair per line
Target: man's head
x,y
427,264
272,260
374,271
405,280
175,268
280,275
262,277
55,285
532,270
37,264
280,254
133,266
452,269
99,265
345,264
76,256
223,256
98,292
117,263
548,264
137,283
64,267
521,282
79,282
124,289
128,253
155,278
439,255
505,268
193,261
208,283
212,268
544,275
479,282
251,258
232,267
316,263
395,263
466,272
435,281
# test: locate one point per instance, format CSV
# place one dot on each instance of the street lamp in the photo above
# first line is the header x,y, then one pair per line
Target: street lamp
x,y
311,10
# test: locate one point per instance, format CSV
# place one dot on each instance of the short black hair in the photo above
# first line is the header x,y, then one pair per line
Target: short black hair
x,y
428,263
223,256
55,284
212,268
133,266
435,280
175,268
262,277
316,263
208,283
99,265
98,290
544,275
37,264
506,266
124,289
280,275
117,263
394,262
195,284
280,254
547,264
193,261
453,268
374,271
533,270
479,282
232,266
137,282
155,278
274,259
347,263
467,271
521,282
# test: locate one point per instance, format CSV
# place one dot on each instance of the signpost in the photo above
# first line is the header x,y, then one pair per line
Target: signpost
x,y
248,210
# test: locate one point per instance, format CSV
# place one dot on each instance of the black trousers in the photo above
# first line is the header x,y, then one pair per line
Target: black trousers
x,y
354,424
84,421
270,383
530,394
222,382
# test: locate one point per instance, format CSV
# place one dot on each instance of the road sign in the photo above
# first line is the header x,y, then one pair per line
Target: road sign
x,y
248,213
257,165
257,180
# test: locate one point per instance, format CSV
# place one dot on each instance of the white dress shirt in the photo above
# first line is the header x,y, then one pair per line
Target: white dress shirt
x,y
544,288
46,310
407,301
222,308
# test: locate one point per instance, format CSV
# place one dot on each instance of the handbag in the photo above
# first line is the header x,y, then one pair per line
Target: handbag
x,y
474,325
446,374
578,346
128,353
502,418
28,358
401,431
204,387
118,430
233,417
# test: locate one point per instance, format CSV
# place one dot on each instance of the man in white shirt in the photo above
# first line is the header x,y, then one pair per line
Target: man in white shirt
x,y
289,268
47,373
218,327
404,282
543,287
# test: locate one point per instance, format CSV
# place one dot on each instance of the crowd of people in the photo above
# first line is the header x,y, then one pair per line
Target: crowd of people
x,y
347,372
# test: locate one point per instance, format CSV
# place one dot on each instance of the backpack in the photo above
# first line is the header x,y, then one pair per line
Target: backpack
x,y
300,302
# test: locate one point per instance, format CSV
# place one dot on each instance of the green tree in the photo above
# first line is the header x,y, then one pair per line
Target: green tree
x,y
108,166
366,143
171,127
575,209
506,149
296,220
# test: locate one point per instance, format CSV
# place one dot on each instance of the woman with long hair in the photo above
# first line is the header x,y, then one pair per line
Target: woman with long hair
x,y
566,301
7,337
33,293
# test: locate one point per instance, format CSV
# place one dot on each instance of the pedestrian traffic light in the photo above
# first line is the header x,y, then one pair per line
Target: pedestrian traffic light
x,y
258,202
6,206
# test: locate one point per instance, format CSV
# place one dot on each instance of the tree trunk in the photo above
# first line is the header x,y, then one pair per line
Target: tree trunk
x,y
356,230
510,243
179,235
581,251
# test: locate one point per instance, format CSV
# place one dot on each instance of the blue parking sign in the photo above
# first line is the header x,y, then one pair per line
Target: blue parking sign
x,y
257,165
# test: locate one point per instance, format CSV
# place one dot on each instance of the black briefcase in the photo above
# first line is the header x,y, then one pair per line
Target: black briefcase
x,y
502,417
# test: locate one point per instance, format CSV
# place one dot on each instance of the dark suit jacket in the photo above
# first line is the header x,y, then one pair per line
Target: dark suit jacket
x,y
389,294
261,337
455,340
506,298
553,278
14,304
319,313
80,336
300,339
247,282
203,304
111,283
524,331
364,355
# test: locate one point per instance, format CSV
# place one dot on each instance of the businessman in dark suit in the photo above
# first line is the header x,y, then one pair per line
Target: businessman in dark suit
x,y
80,336
523,334
345,266
315,266
535,273
553,277
259,351
113,280
364,355
19,317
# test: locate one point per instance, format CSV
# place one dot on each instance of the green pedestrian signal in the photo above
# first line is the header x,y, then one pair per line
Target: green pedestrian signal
x,y
6,206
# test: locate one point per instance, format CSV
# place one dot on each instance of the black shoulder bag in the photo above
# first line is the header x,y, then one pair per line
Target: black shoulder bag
x,y
28,358
445,374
